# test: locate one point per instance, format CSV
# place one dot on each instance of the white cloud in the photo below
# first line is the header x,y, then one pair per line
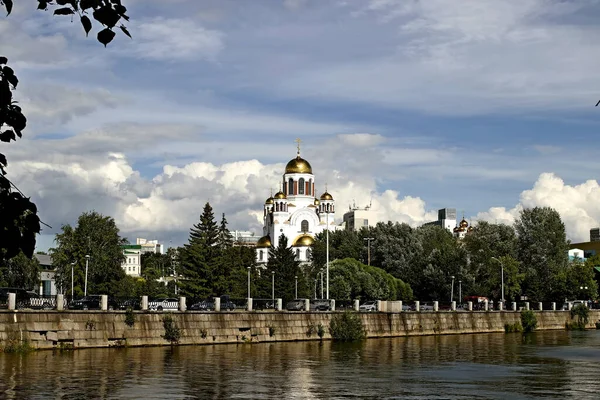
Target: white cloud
x,y
176,39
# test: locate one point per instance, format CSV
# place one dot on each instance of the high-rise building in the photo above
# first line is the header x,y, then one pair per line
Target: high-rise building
x,y
446,219
595,235
357,217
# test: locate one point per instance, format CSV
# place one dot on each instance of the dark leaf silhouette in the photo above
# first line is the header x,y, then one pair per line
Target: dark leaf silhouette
x,y
105,36
107,16
8,4
87,24
125,31
3,160
8,135
3,60
43,5
63,11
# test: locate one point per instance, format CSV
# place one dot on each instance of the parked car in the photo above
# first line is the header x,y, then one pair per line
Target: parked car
x,y
295,305
320,305
22,296
427,307
170,303
368,306
406,307
209,304
90,302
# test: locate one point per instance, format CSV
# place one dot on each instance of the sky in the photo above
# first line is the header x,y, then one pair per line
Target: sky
x,y
412,106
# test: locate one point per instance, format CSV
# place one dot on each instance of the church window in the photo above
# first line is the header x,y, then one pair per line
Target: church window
x,y
301,186
309,190
290,186
304,226
297,254
308,255
260,255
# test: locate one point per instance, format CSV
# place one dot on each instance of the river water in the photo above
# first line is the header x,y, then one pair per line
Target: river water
x,y
550,365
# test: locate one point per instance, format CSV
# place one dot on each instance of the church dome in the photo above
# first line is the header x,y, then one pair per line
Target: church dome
x,y
464,223
317,202
263,242
269,200
298,165
303,241
280,195
326,196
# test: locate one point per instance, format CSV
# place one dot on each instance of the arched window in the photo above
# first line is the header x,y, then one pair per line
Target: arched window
x,y
301,186
304,226
297,254
260,255
309,187
308,255
290,186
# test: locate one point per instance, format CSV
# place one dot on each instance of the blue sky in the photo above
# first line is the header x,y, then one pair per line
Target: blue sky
x,y
414,105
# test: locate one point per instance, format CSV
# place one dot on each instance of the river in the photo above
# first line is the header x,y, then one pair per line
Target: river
x,y
550,365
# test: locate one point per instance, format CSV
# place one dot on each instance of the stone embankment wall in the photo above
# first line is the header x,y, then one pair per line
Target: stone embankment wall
x,y
81,329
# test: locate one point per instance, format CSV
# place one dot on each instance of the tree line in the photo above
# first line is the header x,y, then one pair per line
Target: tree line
x,y
533,253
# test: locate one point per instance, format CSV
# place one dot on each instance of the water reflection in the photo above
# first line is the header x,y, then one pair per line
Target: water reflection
x,y
491,366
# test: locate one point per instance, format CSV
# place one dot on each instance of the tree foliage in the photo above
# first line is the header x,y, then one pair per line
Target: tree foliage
x,y
21,272
282,261
98,237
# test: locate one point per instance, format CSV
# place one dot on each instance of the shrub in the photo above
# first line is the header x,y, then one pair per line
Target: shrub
x,y
582,313
90,324
320,330
172,332
271,331
203,333
528,320
510,328
597,324
346,326
129,317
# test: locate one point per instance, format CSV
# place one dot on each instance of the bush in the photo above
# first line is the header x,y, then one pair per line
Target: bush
x,y
129,317
598,325
271,331
582,313
172,332
311,330
510,328
320,330
346,327
528,320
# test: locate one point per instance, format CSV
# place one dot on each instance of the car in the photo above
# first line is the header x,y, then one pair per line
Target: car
x,y
406,307
209,304
427,307
295,305
22,296
320,305
170,303
90,302
368,306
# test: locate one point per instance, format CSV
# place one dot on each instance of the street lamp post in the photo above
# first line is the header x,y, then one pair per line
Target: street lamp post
x,y
502,267
327,257
296,278
72,275
273,286
322,284
369,249
452,290
248,282
87,260
460,292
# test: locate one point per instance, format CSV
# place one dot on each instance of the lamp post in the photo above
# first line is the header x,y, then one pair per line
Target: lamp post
x,y
87,261
459,292
248,282
322,284
502,267
72,275
327,252
296,278
369,249
273,286
452,290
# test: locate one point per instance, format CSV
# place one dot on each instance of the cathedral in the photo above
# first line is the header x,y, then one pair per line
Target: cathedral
x,y
296,212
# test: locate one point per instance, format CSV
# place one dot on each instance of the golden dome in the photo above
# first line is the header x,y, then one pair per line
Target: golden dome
x,y
470,229
326,196
464,223
298,166
317,202
269,200
280,195
303,240
264,241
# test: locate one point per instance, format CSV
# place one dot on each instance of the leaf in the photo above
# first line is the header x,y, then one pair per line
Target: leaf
x,y
125,31
3,60
85,4
43,5
9,5
8,135
107,16
12,79
105,36
87,24
3,160
63,11
62,2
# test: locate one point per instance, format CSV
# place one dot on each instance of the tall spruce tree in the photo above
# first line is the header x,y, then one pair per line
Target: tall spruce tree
x,y
197,257
282,261
225,260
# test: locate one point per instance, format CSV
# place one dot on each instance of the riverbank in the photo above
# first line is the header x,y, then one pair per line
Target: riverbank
x,y
87,329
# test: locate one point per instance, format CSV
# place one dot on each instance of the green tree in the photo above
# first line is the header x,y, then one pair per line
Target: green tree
x,y
282,261
542,250
20,223
342,244
96,236
580,280
396,249
486,242
197,257
21,272
513,278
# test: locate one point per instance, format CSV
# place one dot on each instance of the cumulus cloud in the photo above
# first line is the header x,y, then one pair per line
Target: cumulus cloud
x,y
578,205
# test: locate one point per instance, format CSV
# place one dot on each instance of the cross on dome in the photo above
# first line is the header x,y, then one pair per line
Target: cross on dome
x,y
298,141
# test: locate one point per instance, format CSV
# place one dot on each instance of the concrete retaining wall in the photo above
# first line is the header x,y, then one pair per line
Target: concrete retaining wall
x,y
81,329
